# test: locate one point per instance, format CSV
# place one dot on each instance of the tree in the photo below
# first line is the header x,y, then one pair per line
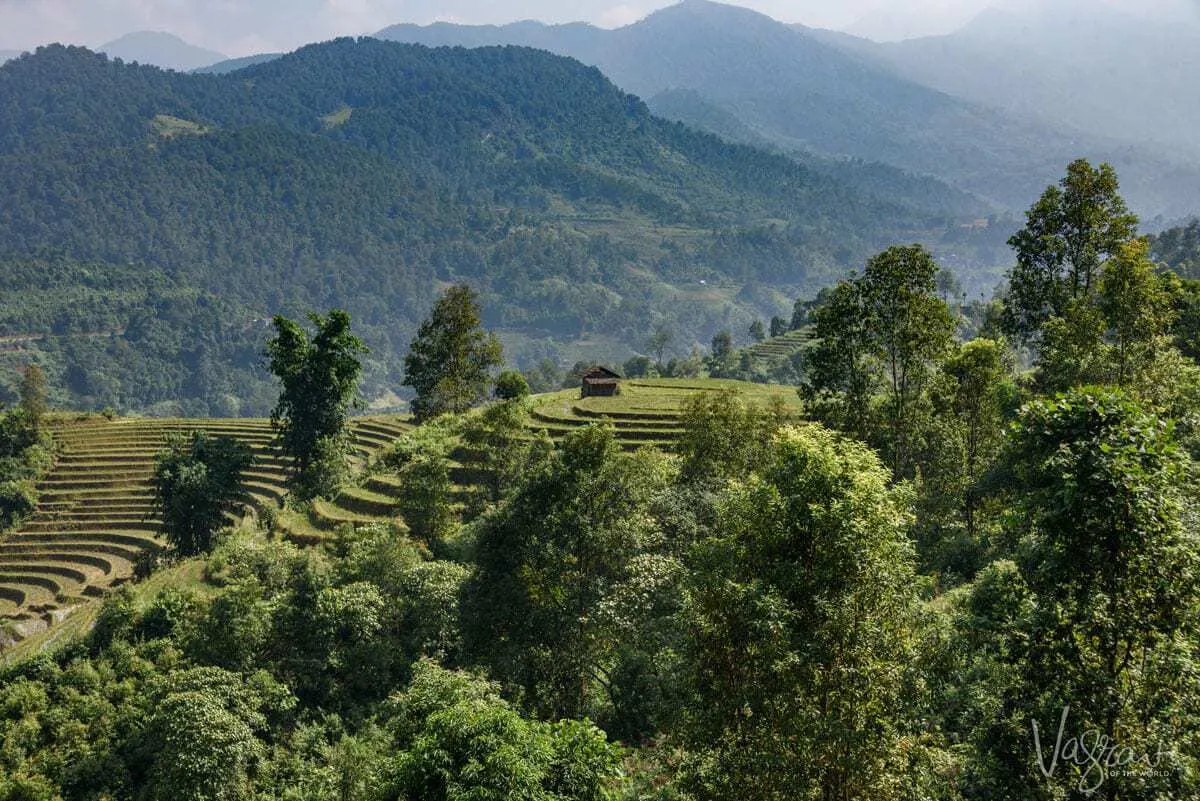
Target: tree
x,y
981,391
511,385
1068,234
456,738
564,570
841,369
779,326
450,361
1138,305
800,608
757,332
319,377
33,395
197,483
887,332
1102,528
723,436
720,361
659,340
912,330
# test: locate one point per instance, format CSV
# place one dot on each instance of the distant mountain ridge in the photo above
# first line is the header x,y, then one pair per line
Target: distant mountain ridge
x,y
366,174
1069,63
160,49
798,89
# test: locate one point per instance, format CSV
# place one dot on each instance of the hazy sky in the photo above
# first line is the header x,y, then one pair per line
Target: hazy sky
x,y
240,27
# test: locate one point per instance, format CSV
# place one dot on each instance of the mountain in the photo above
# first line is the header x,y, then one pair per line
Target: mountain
x,y
8,55
1083,64
154,220
161,50
234,64
795,88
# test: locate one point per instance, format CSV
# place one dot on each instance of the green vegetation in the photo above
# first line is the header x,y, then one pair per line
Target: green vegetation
x,y
319,378
197,483
145,278
449,364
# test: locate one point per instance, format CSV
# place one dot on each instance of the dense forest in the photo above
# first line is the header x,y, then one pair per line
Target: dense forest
x,y
948,578
153,221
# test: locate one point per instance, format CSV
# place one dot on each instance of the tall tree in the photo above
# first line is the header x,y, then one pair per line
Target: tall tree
x,y
320,382
564,570
912,331
1138,305
33,395
841,370
800,609
197,482
885,331
450,361
1103,502
720,361
1068,234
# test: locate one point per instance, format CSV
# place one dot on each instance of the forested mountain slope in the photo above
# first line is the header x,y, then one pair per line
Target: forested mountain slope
x,y
792,87
364,174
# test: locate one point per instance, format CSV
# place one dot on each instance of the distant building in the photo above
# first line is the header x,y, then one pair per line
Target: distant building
x,y
600,382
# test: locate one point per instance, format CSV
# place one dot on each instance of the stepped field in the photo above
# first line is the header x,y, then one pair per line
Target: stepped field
x,y
95,516
777,349
648,410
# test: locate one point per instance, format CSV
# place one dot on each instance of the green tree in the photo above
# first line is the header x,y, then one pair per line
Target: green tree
x,y
456,738
319,377
800,608
884,332
1138,305
723,436
1068,234
912,331
841,370
511,385
660,338
33,395
1102,523
757,331
197,484
720,361
544,610
450,361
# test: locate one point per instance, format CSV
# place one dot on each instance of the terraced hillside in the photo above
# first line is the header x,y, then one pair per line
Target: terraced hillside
x,y
95,516
778,349
648,410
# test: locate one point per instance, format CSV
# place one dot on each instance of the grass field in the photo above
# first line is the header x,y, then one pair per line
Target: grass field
x,y
95,517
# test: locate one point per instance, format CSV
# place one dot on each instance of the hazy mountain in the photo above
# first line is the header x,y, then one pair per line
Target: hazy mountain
x,y
1086,65
795,88
160,49
181,210
234,64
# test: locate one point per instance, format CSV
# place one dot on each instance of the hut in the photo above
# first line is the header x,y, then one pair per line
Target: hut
x,y
600,382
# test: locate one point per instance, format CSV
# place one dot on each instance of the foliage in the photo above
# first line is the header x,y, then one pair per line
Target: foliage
x,y
197,484
808,567
566,570
883,332
724,436
449,363
1068,234
319,377
511,385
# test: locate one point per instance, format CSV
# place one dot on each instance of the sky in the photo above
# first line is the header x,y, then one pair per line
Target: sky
x,y
243,27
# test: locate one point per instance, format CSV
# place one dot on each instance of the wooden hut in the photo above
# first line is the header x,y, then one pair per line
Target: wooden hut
x,y
600,382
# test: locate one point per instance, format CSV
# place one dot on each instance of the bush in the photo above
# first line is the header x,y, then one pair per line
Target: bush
x,y
17,500
511,385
